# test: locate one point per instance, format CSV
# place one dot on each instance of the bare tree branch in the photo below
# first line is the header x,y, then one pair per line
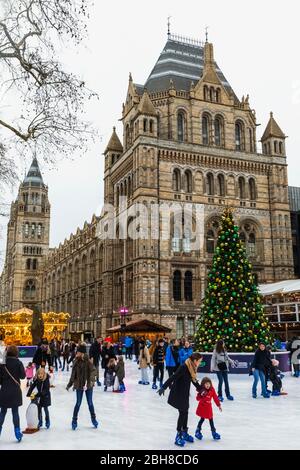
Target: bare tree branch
x,y
48,116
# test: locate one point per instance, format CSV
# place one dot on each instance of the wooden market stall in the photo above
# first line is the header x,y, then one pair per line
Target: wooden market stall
x,y
139,328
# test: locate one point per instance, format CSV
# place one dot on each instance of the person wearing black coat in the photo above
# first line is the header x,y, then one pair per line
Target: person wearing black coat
x,y
95,354
10,388
42,384
42,355
158,361
260,364
180,384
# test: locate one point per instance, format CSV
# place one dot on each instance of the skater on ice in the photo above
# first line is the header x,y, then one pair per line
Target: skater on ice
x,y
179,397
95,355
83,379
119,385
259,366
11,374
110,374
40,389
205,396
172,357
30,371
276,377
144,363
158,361
220,363
185,352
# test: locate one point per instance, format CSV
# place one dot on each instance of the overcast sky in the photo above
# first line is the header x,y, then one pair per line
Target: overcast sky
x,y
256,47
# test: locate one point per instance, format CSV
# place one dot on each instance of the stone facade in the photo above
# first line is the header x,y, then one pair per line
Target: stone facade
x,y
188,140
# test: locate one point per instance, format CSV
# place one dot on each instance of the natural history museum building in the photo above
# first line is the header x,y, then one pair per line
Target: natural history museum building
x,y
187,140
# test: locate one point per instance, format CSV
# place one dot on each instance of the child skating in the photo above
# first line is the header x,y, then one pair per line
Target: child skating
x,y
29,373
205,396
42,385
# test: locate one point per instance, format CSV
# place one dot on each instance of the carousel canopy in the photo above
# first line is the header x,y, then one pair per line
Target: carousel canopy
x,y
140,325
282,287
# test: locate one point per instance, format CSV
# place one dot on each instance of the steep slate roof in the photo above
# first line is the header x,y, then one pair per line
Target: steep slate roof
x,y
181,62
273,130
114,143
34,175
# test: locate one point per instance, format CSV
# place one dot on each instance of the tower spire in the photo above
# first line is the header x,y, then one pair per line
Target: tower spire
x,y
169,26
206,34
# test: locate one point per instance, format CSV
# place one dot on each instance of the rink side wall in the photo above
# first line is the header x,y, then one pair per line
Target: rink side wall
x,y
244,360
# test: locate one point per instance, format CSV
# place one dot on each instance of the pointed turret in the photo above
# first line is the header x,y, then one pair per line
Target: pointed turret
x,y
114,143
273,129
209,72
273,139
146,106
34,175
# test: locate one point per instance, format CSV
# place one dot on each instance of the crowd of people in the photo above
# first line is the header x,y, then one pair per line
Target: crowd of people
x,y
177,357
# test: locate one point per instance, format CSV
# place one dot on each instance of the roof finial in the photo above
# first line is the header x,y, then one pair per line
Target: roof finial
x,y
206,33
169,27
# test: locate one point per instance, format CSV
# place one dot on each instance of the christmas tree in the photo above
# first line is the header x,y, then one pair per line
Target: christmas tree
x,y
232,308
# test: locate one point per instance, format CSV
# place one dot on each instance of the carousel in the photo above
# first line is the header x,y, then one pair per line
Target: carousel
x,y
15,327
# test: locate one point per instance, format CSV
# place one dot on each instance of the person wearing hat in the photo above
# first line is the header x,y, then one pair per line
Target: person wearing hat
x,y
83,379
260,364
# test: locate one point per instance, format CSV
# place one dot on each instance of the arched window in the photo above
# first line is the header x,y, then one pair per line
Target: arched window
x,y
242,188
211,94
186,242
252,189
210,184
275,146
239,135
30,289
212,234
92,267
269,148
251,244
176,241
188,286
280,148
188,187
26,229
145,125
28,263
205,93
265,149
151,126
177,286
205,130
181,126
218,125
33,227
129,186
221,185
127,136
218,95
39,230
34,264
176,180
251,140
248,238
210,241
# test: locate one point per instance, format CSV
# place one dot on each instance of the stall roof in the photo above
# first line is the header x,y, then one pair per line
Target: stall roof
x,y
139,325
282,287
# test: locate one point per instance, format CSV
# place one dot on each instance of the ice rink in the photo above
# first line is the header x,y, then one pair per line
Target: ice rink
x,y
140,419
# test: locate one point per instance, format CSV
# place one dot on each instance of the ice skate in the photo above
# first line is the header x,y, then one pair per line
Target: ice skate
x,y
187,437
18,434
179,441
74,424
230,398
154,386
216,436
221,399
198,434
95,422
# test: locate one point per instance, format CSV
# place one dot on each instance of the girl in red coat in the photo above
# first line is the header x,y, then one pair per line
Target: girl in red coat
x,y
204,409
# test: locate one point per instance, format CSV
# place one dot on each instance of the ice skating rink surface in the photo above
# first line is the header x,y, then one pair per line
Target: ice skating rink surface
x,y
140,419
